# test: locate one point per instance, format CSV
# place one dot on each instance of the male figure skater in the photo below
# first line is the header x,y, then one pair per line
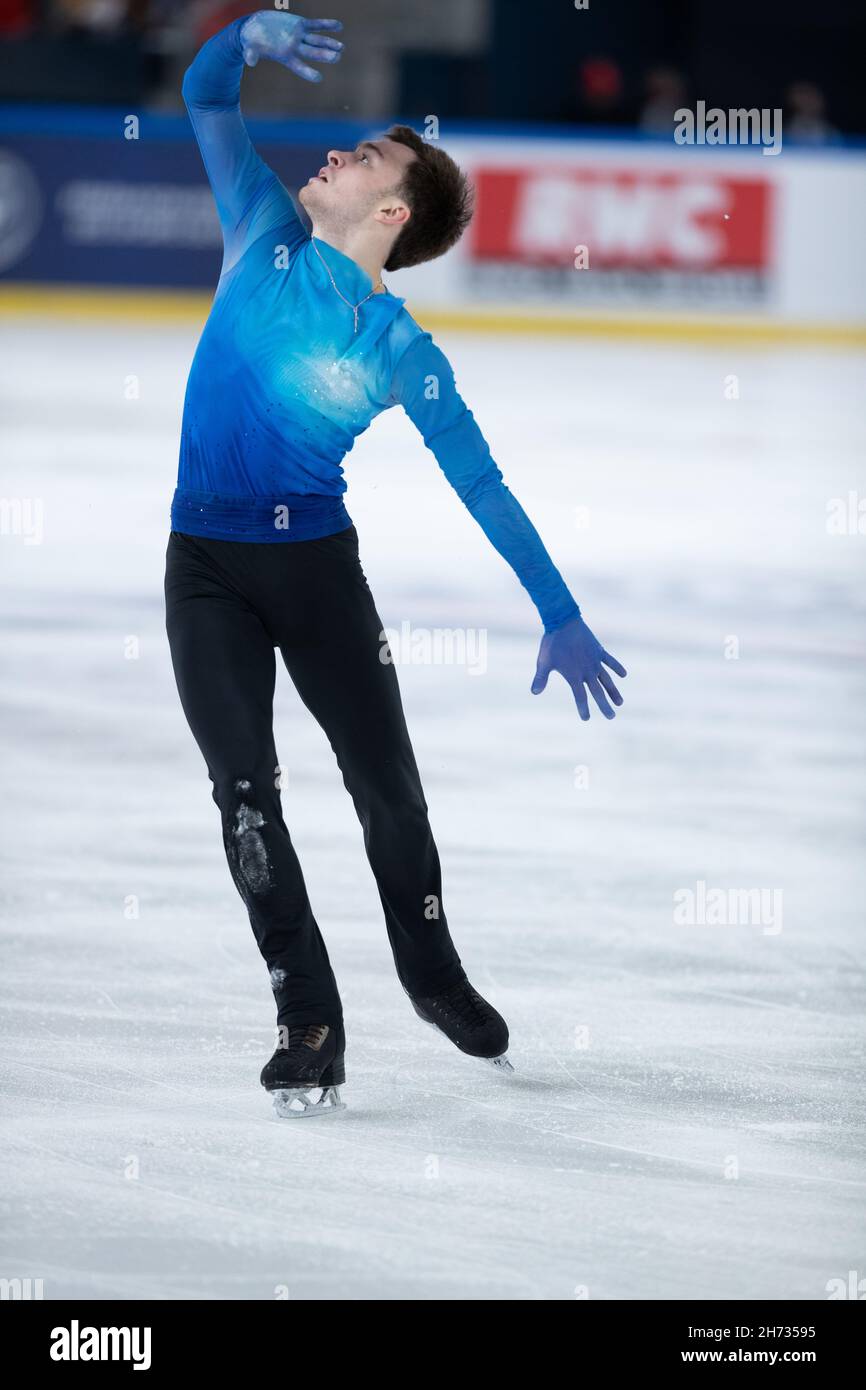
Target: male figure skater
x,y
304,346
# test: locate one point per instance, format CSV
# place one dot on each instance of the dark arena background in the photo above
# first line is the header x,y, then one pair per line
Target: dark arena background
x,y
659,322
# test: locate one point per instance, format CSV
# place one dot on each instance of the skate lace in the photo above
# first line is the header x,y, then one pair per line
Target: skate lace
x,y
463,1000
310,1035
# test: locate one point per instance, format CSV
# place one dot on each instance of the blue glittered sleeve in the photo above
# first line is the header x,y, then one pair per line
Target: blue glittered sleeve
x,y
424,385
249,197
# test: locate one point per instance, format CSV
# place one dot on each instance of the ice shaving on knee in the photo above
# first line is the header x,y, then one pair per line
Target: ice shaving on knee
x,y
248,849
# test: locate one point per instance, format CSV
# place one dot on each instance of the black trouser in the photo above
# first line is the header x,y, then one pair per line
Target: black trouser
x,y
228,605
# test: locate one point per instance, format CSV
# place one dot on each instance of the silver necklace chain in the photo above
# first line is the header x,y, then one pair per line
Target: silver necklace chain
x,y
354,307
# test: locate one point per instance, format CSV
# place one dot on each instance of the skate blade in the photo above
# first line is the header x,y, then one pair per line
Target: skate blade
x,y
500,1063
297,1104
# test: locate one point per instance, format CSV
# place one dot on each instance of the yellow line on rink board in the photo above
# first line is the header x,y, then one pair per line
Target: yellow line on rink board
x,y
659,329
189,307
162,306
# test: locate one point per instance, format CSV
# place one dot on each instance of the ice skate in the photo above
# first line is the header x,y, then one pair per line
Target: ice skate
x,y
469,1022
306,1071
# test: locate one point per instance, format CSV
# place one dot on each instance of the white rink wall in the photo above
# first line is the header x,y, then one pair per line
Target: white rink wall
x,y
789,224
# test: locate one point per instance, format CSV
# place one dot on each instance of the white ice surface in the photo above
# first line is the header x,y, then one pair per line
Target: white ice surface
x,y
140,1157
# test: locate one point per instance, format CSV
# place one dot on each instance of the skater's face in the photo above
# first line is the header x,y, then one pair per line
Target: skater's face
x,y
360,184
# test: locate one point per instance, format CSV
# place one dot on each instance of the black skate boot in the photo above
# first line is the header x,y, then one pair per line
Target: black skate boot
x,y
469,1021
310,1057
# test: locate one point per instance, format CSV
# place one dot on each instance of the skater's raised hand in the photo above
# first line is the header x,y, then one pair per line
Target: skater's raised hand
x,y
291,40
580,659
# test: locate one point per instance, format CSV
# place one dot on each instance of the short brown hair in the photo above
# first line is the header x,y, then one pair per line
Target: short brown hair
x,y
439,197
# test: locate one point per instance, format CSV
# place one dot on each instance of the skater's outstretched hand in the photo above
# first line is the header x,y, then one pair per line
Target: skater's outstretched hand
x,y
291,40
580,659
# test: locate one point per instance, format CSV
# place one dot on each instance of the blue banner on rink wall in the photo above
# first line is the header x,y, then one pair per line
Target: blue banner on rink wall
x,y
81,203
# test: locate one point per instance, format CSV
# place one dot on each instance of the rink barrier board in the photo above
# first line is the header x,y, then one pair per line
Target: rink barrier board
x,y
177,306
676,234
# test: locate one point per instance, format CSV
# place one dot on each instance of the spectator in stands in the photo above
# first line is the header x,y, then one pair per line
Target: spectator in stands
x,y
90,16
599,94
209,16
805,114
665,94
18,18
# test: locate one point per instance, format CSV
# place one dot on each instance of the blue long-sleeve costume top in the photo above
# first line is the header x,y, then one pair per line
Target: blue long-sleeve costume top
x,y
281,384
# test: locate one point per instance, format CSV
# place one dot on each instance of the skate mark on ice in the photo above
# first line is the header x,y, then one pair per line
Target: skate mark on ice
x,y
649,1114
228,954
69,1076
142,1185
108,999
763,1003
254,1189
697,1163
559,1062
188,1095
492,1106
